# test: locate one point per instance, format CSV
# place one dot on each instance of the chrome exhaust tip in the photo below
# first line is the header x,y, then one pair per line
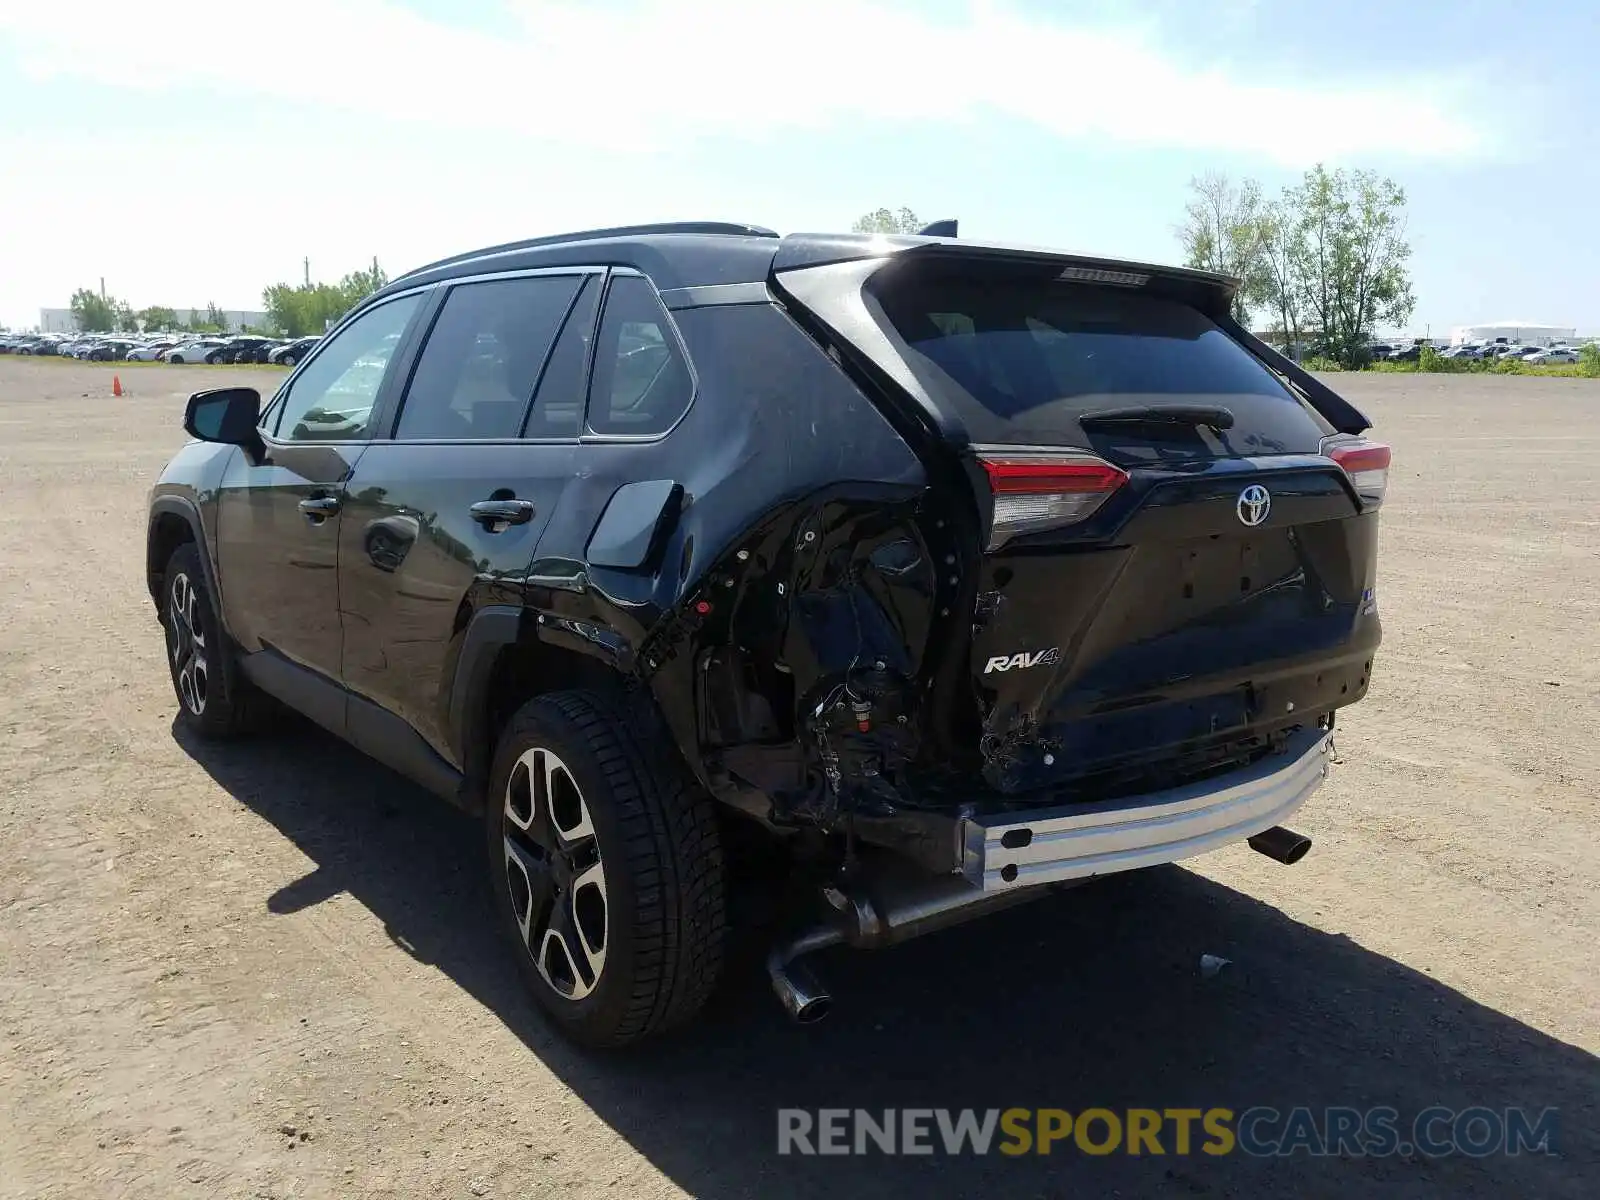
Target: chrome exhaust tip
x,y
797,989
1281,845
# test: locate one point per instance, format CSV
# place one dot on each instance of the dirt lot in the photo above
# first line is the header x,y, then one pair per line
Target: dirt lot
x,y
266,971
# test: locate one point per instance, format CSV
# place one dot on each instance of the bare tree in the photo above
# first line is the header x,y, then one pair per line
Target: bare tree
x,y
1282,250
1224,230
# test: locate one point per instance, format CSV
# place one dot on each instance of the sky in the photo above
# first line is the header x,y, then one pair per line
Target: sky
x,y
192,152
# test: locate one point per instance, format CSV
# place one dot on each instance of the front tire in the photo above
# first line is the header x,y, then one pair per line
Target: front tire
x,y
606,868
287,360
213,699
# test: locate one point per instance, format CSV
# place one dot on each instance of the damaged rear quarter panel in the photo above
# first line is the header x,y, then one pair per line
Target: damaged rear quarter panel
x,y
742,616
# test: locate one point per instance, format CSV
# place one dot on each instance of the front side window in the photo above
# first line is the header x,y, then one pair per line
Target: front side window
x,y
477,372
641,383
332,399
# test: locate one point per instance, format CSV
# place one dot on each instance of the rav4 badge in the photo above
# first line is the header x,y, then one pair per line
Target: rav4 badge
x,y
1024,659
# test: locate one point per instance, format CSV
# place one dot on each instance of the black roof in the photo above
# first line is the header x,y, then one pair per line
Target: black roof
x,y
689,254
674,255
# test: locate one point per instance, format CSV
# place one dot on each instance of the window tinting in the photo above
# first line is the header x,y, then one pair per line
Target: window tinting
x,y
332,398
558,406
1019,363
482,359
641,383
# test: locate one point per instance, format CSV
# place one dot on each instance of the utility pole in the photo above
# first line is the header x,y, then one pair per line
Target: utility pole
x,y
308,270
102,287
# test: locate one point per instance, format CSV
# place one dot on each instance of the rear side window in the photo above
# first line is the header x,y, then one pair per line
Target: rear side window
x,y
558,407
641,383
1020,363
478,369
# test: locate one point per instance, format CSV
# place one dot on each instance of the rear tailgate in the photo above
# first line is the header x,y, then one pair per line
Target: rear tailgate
x,y
1172,570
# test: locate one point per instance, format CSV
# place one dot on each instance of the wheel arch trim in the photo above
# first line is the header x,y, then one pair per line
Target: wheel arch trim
x,y
189,512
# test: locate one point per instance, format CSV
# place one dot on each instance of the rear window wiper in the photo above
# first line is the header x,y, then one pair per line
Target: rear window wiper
x,y
1209,416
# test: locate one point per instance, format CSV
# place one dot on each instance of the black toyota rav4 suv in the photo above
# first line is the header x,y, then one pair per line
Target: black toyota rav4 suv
x,y
927,572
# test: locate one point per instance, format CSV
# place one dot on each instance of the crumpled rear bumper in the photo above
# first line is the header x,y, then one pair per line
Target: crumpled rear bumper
x,y
1015,850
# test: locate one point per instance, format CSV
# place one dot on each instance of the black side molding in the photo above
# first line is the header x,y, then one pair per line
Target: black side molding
x,y
190,514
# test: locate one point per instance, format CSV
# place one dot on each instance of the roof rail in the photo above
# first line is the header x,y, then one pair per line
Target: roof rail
x,y
723,228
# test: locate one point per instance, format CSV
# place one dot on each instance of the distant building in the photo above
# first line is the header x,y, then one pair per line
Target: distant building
x,y
60,320
1523,333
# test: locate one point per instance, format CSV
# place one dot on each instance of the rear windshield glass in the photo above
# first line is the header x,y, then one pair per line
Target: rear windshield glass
x,y
1020,364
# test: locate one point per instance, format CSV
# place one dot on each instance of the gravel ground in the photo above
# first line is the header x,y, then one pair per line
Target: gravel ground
x,y
267,971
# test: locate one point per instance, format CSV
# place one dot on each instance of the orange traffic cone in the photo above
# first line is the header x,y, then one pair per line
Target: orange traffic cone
x,y
116,385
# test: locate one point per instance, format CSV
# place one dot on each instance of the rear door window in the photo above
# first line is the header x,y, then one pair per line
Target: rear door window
x,y
558,404
641,383
477,372
1021,363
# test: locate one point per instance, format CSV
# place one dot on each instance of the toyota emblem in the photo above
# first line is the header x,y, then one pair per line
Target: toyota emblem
x,y
1255,502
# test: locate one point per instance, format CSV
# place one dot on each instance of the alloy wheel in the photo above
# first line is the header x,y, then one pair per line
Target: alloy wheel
x,y
555,874
187,643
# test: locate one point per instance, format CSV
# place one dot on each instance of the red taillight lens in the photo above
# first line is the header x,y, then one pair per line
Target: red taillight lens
x,y
1367,465
1034,491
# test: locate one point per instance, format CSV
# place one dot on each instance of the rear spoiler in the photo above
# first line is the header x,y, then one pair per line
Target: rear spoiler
x,y
1206,291
1335,409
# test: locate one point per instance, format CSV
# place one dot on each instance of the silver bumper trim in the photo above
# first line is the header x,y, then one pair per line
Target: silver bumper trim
x,y
1076,841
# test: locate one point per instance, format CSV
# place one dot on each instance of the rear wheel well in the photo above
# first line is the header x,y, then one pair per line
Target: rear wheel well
x,y
521,671
167,532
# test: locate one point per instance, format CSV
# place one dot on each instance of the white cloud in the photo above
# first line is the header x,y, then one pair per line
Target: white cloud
x,y
653,75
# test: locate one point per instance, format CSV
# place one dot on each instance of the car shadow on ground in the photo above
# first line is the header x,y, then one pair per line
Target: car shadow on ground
x,y
1088,998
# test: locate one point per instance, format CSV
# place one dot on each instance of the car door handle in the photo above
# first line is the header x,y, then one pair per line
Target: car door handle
x,y
318,509
502,513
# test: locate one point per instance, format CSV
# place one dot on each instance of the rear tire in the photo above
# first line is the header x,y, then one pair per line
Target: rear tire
x,y
606,867
287,360
214,700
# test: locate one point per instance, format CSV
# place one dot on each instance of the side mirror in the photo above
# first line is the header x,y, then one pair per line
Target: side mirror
x,y
226,415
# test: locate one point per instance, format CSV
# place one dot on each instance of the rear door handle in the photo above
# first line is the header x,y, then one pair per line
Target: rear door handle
x,y
497,514
319,508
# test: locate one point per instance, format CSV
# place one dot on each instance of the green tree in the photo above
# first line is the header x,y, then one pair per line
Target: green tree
x,y
884,221
92,312
1349,258
127,319
156,317
215,318
1225,230
300,309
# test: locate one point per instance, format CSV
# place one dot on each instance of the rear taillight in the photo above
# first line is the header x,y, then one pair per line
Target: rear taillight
x,y
1037,490
1367,465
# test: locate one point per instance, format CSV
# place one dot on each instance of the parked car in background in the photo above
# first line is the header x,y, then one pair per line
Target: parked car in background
x,y
237,350
195,351
292,352
1551,356
150,351
1404,354
107,351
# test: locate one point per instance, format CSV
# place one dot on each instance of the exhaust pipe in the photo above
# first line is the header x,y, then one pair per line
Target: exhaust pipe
x,y
802,996
898,906
1281,845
